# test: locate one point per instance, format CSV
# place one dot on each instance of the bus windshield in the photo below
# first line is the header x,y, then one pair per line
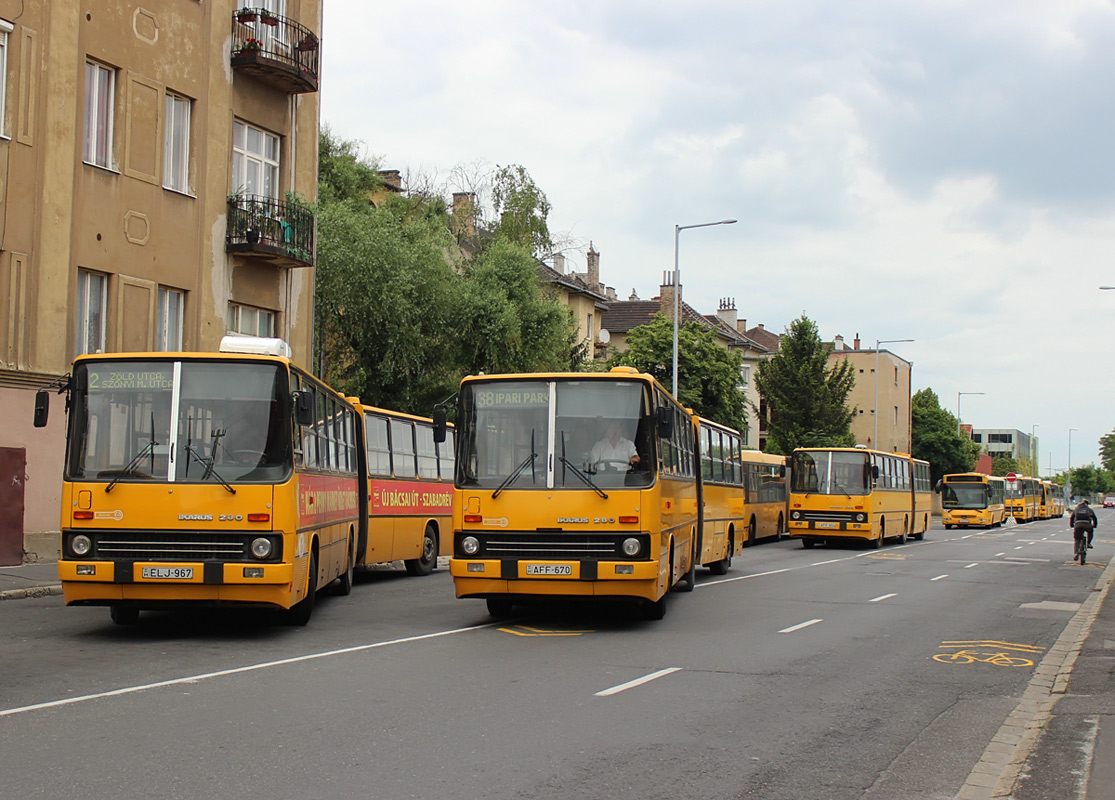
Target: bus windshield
x,y
185,421
567,434
964,495
830,472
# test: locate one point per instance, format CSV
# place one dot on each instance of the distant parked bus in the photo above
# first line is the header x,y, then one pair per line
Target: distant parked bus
x,y
721,511
205,479
1023,498
409,490
856,493
765,484
971,499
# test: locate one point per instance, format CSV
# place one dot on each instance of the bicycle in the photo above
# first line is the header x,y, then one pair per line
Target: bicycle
x,y
1081,550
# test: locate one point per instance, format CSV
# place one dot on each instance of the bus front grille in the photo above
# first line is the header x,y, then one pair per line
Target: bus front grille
x,y
528,545
169,545
826,516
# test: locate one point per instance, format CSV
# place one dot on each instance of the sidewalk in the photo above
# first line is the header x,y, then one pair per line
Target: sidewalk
x,y
29,580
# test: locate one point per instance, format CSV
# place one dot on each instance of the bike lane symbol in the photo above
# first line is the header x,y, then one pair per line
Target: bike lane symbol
x,y
987,651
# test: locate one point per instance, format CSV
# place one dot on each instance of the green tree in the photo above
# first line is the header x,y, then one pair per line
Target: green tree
x,y
504,321
1090,481
1005,465
805,394
935,438
522,209
708,374
343,176
1107,451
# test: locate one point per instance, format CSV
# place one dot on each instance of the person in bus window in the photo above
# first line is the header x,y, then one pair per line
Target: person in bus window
x,y
613,452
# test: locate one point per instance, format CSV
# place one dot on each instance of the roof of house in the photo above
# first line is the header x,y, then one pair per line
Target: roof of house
x,y
763,337
623,315
571,282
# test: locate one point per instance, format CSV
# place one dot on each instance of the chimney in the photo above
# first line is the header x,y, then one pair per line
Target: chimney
x,y
611,293
593,268
393,178
760,327
838,342
559,263
633,296
727,312
742,328
464,214
855,342
666,298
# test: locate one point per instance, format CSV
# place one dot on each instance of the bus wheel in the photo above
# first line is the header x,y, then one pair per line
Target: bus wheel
x,y
300,612
124,615
428,561
751,533
499,607
781,529
877,543
654,610
344,583
689,582
807,543
905,528
722,566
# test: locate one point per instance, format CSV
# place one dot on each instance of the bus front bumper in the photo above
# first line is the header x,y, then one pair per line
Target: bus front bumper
x,y
492,577
175,583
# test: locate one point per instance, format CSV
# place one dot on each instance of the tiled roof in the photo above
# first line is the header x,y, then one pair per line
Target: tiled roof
x,y
623,315
764,338
571,282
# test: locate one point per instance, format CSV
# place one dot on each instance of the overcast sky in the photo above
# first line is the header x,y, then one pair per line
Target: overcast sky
x,y
929,170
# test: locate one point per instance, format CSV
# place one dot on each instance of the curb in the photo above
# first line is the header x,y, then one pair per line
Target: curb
x,y
34,591
995,774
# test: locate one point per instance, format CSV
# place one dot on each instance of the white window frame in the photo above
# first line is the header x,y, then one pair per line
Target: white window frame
x,y
240,314
91,313
176,143
168,324
99,114
5,28
265,159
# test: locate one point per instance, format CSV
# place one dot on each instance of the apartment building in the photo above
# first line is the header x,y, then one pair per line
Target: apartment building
x,y
881,396
157,164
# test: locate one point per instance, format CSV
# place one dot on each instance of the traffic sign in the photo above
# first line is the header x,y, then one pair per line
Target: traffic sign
x,y
1011,476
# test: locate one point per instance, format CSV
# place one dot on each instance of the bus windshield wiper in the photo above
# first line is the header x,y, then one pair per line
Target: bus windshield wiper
x,y
565,461
836,483
129,468
528,461
210,463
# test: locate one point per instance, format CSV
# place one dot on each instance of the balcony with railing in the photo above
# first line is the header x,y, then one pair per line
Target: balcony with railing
x,y
276,50
270,229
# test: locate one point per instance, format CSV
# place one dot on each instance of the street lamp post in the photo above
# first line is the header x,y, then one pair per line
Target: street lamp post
x,y
677,285
958,396
875,440
1034,451
1068,475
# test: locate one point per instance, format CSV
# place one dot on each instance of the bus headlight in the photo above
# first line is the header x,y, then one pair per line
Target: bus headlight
x,y
795,515
81,545
470,545
262,547
631,547
861,517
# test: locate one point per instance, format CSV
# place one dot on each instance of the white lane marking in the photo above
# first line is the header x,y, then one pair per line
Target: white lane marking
x,y
830,561
238,670
973,564
998,555
939,577
1019,547
882,597
742,577
623,687
799,626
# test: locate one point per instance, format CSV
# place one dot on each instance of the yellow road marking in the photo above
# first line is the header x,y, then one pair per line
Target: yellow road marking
x,y
526,630
1025,648
888,556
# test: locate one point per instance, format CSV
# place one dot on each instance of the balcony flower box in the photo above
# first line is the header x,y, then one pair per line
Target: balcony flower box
x,y
308,44
268,19
245,15
251,46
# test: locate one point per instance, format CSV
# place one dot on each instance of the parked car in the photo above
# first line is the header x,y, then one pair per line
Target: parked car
x,y
1109,502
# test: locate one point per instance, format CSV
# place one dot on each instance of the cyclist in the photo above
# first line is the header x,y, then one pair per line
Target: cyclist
x,y
1083,522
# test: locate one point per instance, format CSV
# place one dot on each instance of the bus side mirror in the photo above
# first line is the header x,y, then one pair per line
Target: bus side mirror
x,y
937,488
781,470
440,426
304,408
42,407
875,472
664,422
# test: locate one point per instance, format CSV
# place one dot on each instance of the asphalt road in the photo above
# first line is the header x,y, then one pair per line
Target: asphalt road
x,y
800,674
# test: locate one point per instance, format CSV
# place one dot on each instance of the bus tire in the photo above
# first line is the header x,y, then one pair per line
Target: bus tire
x,y
877,543
905,528
499,607
722,566
300,613
124,615
344,583
807,543
751,538
654,610
689,582
778,537
427,562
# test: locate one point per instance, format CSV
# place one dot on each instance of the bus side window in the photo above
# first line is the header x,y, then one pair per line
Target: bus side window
x,y
379,450
427,453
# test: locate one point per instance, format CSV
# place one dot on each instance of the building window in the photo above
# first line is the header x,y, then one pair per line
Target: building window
x,y
896,416
168,325
100,85
5,29
250,321
255,161
896,376
176,144
92,294
745,375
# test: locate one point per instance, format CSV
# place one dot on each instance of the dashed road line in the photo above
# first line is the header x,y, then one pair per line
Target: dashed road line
x,y
939,577
882,597
623,687
800,625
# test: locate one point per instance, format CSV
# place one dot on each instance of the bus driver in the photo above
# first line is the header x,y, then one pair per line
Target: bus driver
x,y
614,451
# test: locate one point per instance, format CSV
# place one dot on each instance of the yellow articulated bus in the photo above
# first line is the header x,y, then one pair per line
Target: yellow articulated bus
x,y
765,503
573,485
409,491
205,479
1052,500
971,499
1058,492
923,498
722,523
855,493
1023,498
